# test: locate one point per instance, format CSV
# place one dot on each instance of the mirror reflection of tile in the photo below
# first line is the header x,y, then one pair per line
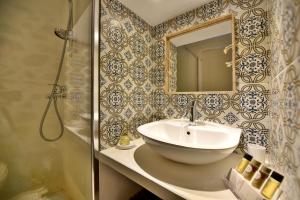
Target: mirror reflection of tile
x,y
201,65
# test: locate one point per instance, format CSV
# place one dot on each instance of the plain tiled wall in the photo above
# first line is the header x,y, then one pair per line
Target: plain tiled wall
x,y
29,57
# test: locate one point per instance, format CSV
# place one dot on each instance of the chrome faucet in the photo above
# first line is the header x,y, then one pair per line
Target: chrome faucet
x,y
193,112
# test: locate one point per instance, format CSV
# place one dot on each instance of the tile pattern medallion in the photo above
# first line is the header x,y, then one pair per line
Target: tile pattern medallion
x,y
132,68
285,93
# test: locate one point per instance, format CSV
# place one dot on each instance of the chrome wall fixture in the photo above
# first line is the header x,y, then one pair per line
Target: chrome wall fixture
x,y
65,35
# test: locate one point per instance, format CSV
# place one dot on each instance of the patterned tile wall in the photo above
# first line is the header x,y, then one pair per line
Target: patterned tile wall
x,y
133,76
132,63
126,73
248,108
285,93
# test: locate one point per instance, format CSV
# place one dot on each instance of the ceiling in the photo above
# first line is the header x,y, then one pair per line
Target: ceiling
x,y
157,11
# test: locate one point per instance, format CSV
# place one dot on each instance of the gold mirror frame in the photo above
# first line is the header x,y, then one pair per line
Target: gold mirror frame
x,y
195,28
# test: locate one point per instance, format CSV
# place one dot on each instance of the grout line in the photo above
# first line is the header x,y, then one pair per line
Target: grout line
x,y
287,67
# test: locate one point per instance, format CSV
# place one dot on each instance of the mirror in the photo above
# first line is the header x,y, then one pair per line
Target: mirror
x,y
202,58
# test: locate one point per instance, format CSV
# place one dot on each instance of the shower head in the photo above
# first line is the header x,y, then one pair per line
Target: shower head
x,y
66,34
63,34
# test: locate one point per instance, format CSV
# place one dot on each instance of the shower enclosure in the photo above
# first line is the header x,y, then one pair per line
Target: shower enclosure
x,y
47,116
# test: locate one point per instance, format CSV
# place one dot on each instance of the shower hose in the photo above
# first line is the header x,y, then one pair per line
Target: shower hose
x,y
53,98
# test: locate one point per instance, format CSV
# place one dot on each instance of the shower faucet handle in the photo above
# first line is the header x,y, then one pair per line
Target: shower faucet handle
x,y
193,111
59,91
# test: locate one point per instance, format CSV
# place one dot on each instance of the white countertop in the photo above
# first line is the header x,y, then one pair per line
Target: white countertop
x,y
126,159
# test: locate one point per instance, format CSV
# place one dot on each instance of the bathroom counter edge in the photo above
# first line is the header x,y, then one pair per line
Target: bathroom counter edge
x,y
123,162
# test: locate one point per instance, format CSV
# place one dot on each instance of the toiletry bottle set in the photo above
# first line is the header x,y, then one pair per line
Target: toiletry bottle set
x,y
260,177
243,163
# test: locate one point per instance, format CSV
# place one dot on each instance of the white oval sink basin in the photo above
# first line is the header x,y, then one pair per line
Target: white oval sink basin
x,y
179,141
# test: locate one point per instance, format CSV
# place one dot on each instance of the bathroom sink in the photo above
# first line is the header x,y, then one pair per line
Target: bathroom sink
x,y
198,143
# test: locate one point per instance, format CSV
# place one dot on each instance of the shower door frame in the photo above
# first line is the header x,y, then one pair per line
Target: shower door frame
x,y
95,93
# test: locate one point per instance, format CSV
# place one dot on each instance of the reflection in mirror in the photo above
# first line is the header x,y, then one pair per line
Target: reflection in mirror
x,y
201,59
